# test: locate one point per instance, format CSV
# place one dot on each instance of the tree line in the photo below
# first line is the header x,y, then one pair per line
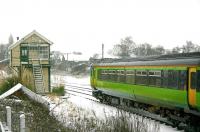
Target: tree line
x,y
127,48
4,48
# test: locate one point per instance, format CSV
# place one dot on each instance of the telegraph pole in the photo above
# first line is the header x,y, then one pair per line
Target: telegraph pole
x,y
102,51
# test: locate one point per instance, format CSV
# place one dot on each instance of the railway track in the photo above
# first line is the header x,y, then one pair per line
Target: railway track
x,y
85,92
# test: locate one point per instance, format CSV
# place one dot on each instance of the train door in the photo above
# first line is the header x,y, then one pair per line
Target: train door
x,y
192,84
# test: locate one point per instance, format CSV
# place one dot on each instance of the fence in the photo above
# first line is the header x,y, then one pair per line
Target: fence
x,y
12,121
35,111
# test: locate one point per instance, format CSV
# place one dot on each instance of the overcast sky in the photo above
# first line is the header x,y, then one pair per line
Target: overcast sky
x,y
83,25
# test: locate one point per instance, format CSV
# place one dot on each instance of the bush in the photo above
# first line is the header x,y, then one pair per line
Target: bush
x,y
60,90
8,83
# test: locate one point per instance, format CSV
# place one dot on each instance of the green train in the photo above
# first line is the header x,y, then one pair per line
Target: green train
x,y
172,84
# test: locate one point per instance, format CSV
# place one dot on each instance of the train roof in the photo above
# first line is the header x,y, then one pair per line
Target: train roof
x,y
174,59
194,61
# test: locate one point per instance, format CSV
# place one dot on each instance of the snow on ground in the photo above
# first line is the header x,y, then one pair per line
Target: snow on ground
x,y
3,74
77,108
58,79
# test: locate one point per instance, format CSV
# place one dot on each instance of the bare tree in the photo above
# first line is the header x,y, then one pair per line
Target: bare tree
x,y
10,40
189,47
143,50
176,50
125,48
159,50
3,50
95,56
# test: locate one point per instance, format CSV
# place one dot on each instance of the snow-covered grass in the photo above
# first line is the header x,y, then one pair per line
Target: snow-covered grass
x,y
82,114
107,119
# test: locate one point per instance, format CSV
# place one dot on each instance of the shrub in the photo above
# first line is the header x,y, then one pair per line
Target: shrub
x,y
8,83
60,90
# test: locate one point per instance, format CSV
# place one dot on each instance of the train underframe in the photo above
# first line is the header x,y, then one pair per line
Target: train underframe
x,y
178,117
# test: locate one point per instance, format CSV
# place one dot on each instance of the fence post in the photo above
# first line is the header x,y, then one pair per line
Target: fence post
x,y
22,123
8,117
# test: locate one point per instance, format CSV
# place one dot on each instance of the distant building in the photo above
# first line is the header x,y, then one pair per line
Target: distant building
x,y
30,60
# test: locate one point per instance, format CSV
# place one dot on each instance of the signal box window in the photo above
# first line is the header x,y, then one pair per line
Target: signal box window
x,y
24,52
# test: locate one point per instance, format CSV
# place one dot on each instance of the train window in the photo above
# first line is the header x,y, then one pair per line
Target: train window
x,y
155,78
121,76
109,75
193,80
173,79
158,73
130,76
138,73
99,75
102,74
182,80
141,77
165,78
113,75
155,73
151,73
105,75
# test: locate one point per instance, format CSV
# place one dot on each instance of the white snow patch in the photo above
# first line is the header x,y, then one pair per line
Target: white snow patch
x,y
74,106
3,74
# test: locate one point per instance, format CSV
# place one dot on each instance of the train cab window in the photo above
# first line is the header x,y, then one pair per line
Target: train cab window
x,y
130,76
193,80
173,79
182,80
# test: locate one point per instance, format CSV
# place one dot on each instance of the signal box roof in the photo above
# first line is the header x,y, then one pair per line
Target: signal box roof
x,y
27,36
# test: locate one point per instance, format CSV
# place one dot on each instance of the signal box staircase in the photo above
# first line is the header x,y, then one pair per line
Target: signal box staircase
x,y
38,78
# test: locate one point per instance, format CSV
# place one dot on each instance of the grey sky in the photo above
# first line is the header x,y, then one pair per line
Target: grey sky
x,y
83,25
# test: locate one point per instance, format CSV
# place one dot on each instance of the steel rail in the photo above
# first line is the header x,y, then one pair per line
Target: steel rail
x,y
137,111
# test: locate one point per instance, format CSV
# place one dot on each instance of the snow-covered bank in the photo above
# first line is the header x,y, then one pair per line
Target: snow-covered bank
x,y
76,108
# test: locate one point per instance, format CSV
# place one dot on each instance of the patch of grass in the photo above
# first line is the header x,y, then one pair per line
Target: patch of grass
x,y
8,83
59,91
80,120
